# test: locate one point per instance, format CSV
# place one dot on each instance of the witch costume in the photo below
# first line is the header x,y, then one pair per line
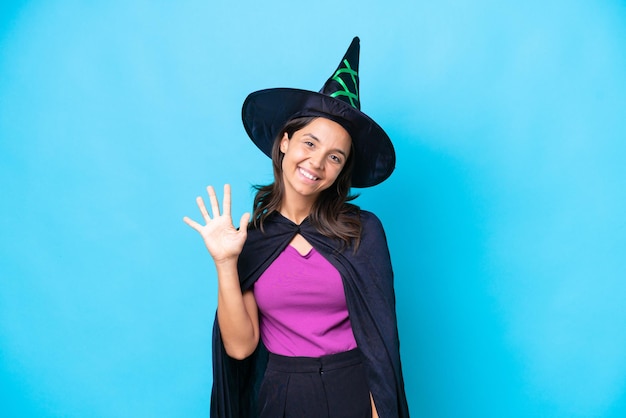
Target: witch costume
x,y
366,271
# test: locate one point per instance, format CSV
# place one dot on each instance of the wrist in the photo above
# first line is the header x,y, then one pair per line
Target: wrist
x,y
225,262
226,266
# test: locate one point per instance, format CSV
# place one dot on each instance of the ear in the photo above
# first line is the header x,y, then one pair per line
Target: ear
x,y
284,143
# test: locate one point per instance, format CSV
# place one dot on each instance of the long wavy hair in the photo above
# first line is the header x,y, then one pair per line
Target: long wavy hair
x,y
331,213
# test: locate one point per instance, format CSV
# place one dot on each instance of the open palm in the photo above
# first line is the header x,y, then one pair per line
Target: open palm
x,y
221,238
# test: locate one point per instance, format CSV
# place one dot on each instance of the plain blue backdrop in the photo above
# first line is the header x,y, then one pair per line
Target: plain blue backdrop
x,y
505,215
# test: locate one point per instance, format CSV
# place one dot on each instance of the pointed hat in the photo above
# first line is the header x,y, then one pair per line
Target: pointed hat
x,y
265,112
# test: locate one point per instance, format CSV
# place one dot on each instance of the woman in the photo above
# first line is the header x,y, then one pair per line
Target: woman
x,y
306,321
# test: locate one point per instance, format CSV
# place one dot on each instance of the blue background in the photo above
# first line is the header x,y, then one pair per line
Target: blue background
x,y
505,215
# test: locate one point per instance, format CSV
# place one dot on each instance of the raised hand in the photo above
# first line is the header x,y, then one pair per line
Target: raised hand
x,y
222,239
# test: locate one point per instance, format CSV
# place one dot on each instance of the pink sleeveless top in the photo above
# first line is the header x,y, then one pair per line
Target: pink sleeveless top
x,y
302,306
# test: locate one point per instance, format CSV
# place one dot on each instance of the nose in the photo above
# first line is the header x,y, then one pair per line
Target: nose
x,y
316,160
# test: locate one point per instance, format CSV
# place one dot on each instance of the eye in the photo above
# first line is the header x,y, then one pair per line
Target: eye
x,y
308,144
335,158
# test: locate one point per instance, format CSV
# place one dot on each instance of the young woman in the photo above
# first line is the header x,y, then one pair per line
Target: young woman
x,y
306,322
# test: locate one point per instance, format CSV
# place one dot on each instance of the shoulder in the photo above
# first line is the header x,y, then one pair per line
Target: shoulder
x,y
372,252
370,222
368,217
365,217
373,237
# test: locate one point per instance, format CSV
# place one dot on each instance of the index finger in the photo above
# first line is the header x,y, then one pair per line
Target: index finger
x,y
227,200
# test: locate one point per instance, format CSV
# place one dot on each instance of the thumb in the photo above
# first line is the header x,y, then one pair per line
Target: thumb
x,y
243,223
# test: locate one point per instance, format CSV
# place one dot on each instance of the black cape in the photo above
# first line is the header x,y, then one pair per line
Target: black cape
x,y
368,282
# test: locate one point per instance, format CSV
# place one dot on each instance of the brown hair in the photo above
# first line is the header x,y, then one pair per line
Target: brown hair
x,y
331,213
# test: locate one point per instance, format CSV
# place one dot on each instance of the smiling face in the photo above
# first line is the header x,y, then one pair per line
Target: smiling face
x,y
313,158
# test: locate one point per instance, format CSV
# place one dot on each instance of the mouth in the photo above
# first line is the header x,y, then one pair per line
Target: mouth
x,y
307,174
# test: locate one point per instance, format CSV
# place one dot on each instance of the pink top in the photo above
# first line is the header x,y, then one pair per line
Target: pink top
x,y
302,306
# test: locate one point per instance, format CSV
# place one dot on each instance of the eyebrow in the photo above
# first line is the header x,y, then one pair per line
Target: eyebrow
x,y
318,140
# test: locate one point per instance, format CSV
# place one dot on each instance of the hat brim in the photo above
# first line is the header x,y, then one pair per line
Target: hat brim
x,y
265,113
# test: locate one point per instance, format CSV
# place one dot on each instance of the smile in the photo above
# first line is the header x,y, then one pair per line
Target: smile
x,y
307,174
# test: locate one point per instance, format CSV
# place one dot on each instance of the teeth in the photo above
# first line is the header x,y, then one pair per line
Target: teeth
x,y
308,175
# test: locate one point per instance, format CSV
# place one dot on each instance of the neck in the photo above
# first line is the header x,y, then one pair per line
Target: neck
x,y
296,212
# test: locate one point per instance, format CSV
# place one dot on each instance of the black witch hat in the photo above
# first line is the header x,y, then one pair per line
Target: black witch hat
x,y
265,112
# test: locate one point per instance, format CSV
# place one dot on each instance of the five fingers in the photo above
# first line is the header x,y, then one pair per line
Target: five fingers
x,y
215,209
